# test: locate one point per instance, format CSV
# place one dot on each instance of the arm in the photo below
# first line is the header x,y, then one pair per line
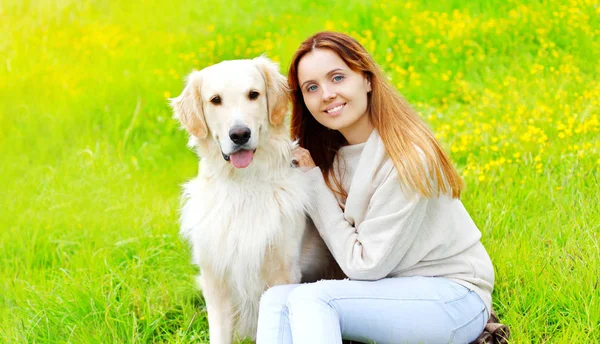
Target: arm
x,y
381,241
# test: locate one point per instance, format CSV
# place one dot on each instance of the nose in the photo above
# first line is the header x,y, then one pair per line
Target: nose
x,y
239,134
328,93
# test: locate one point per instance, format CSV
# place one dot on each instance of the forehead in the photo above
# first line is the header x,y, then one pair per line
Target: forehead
x,y
318,63
231,76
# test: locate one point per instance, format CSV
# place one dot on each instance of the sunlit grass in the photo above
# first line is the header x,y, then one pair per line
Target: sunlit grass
x,y
91,161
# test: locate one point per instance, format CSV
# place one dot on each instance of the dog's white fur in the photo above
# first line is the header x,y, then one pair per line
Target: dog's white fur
x,y
245,225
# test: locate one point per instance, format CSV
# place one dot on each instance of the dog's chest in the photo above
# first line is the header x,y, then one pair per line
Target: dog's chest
x,y
231,225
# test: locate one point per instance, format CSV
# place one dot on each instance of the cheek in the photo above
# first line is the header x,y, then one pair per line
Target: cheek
x,y
312,104
258,115
257,111
219,121
361,97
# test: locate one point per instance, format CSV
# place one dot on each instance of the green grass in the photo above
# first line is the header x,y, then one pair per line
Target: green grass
x,y
91,162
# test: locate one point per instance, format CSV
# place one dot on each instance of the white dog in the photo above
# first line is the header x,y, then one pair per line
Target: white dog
x,y
244,212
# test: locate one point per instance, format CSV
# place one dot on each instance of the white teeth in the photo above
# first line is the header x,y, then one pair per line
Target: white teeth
x,y
339,107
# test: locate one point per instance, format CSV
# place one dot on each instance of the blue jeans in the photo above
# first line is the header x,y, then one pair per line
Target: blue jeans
x,y
391,310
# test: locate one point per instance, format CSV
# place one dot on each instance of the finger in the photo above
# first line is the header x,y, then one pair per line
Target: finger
x,y
301,162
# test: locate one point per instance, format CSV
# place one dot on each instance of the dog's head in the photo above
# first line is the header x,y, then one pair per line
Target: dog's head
x,y
231,102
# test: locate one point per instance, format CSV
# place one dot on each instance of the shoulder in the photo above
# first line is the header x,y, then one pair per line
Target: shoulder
x,y
392,173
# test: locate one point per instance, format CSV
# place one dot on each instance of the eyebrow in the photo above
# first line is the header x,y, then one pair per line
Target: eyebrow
x,y
329,73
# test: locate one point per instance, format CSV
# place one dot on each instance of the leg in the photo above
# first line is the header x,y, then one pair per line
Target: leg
x,y
392,310
219,308
273,322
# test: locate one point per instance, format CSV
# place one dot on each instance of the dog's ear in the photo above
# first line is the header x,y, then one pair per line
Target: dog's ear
x,y
187,108
277,89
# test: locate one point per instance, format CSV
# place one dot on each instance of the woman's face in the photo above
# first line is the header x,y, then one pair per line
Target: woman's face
x,y
334,94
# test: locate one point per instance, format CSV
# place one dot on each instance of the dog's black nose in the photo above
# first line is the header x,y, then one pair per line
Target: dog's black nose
x,y
239,135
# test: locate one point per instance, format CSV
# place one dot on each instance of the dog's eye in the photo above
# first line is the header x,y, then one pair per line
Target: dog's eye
x,y
253,95
216,100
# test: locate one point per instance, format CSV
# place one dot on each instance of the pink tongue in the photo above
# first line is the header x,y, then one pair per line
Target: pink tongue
x,y
241,159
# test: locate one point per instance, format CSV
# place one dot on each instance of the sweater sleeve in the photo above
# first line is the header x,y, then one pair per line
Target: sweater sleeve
x,y
373,249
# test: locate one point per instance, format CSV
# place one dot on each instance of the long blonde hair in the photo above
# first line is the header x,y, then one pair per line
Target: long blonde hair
x,y
399,126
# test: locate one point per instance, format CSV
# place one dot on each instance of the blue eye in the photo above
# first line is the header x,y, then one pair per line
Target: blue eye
x,y
312,88
338,78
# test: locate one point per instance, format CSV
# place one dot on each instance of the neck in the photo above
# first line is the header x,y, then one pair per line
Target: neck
x,y
358,132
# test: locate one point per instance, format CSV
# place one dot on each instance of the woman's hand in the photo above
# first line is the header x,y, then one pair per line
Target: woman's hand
x,y
301,158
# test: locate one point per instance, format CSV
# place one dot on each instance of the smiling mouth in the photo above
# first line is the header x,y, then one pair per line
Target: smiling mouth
x,y
335,110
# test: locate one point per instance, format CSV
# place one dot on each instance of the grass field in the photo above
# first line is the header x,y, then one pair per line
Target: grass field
x,y
91,162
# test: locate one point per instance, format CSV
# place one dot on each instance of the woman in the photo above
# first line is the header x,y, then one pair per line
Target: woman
x,y
386,203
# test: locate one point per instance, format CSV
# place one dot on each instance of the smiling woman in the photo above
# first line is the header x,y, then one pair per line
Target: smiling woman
x,y
393,222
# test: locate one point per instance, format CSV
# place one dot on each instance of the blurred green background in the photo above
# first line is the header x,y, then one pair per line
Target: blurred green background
x,y
91,162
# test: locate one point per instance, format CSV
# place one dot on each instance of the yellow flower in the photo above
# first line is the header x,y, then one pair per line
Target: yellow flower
x,y
167,94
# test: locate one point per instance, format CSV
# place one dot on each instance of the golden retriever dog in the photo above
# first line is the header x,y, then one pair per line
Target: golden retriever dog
x,y
244,213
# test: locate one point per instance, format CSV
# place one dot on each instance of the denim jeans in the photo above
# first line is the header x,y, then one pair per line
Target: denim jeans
x,y
391,310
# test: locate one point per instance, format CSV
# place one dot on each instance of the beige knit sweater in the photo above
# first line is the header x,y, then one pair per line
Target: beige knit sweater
x,y
380,231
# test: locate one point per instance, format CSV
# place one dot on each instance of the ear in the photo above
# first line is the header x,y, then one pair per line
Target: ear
x,y
187,108
277,89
